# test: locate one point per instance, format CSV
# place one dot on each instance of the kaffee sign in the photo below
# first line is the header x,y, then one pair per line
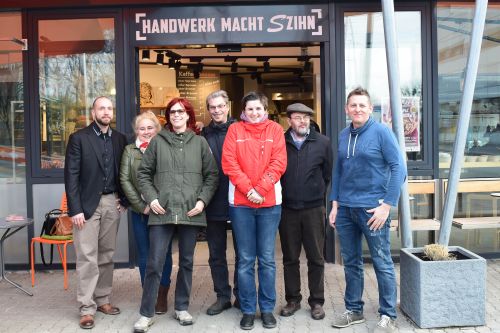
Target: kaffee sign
x,y
230,24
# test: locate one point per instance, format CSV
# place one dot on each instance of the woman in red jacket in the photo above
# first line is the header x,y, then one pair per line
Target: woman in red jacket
x,y
254,158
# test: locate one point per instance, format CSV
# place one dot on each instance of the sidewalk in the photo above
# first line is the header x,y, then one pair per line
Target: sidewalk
x,y
52,309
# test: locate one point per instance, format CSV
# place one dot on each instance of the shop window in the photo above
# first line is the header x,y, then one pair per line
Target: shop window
x,y
76,65
482,152
365,66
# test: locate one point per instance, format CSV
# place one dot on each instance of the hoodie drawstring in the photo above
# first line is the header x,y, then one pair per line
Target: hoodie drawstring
x,y
353,146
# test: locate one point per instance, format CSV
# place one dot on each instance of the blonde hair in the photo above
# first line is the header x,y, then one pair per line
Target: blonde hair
x,y
146,115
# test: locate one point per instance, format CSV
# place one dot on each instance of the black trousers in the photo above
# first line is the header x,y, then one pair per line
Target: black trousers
x,y
217,246
303,227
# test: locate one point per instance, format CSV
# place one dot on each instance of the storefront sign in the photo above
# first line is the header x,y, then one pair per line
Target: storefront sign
x,y
230,24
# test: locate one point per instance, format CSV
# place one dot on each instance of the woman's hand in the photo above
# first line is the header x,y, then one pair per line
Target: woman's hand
x,y
156,207
255,197
198,208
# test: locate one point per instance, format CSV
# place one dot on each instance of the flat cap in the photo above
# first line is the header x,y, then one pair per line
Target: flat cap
x,y
298,107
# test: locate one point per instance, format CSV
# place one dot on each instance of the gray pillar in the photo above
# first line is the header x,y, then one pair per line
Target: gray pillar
x,y
397,114
463,121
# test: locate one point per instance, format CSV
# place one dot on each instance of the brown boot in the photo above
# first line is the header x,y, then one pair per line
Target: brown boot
x,y
162,300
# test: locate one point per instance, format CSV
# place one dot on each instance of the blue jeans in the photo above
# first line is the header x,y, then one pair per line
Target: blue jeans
x,y
255,231
217,246
141,234
351,225
161,236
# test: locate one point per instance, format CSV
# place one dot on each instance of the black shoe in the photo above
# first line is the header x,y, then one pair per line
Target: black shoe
x,y
219,306
289,309
268,320
246,322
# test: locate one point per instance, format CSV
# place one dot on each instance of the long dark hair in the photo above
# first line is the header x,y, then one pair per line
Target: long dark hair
x,y
191,123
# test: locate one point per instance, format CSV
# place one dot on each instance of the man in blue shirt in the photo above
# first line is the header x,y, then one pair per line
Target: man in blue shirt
x,y
366,182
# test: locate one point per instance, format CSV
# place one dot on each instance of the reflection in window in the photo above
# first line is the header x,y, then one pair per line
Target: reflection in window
x,y
12,155
365,65
76,65
482,154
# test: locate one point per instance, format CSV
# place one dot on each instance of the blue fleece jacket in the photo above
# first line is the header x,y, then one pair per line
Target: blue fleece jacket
x,y
369,167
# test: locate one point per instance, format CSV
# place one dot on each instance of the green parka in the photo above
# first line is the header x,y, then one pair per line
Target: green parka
x,y
131,159
178,170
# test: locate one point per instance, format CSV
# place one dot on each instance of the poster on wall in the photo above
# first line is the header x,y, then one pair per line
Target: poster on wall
x,y
196,90
411,121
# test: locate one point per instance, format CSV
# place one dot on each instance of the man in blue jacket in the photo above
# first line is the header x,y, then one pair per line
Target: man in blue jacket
x,y
366,182
304,187
218,209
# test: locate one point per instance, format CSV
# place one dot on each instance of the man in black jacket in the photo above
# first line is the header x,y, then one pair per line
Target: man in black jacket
x,y
304,183
95,201
218,209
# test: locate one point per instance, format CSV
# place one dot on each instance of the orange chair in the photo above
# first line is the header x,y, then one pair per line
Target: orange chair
x,y
58,243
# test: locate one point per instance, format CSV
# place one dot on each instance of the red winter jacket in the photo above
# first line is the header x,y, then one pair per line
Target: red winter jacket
x,y
254,156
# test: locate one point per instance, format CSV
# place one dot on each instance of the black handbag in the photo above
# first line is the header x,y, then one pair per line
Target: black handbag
x,y
47,228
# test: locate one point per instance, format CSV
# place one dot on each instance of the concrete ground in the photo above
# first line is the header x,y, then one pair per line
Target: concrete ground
x,y
52,309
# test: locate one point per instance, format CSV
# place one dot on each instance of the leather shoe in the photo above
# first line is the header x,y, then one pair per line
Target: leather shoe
x,y
289,309
219,306
268,320
317,312
246,322
87,321
108,309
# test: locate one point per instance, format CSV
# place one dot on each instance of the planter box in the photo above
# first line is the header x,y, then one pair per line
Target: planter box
x,y
443,293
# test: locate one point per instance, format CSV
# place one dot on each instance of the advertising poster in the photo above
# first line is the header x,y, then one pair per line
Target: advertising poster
x,y
411,121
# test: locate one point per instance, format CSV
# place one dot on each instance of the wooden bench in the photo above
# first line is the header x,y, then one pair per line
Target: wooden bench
x,y
421,187
477,222
478,189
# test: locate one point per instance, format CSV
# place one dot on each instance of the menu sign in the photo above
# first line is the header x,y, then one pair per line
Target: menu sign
x,y
197,90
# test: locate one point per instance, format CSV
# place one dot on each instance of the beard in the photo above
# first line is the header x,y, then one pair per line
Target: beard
x,y
299,131
103,121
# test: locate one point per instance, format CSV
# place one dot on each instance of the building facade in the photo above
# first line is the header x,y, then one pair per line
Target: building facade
x,y
56,58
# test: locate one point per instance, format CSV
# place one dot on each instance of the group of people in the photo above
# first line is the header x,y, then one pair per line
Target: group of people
x,y
244,174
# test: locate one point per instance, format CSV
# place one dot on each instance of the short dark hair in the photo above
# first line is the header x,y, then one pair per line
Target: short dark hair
x,y
254,96
359,91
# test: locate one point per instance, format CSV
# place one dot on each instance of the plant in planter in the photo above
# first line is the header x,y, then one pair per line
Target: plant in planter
x,y
443,293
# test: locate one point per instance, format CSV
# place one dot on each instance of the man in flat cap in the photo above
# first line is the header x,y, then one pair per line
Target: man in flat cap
x,y
303,215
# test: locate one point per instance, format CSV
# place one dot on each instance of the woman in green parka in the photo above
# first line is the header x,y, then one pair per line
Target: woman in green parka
x,y
177,177
146,126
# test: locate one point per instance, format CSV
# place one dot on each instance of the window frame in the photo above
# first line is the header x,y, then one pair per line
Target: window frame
x,y
425,167
56,175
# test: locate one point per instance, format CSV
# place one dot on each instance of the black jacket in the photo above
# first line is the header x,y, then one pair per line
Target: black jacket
x,y
218,209
308,172
83,170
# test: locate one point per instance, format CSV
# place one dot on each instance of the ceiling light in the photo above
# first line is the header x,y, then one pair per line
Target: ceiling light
x,y
159,58
307,66
234,67
267,66
146,55
259,78
171,63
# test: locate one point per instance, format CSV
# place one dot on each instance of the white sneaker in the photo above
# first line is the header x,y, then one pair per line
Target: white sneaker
x,y
143,324
184,317
386,324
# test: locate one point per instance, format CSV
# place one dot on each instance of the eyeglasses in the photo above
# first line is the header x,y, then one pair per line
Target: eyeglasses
x,y
215,107
180,112
301,118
